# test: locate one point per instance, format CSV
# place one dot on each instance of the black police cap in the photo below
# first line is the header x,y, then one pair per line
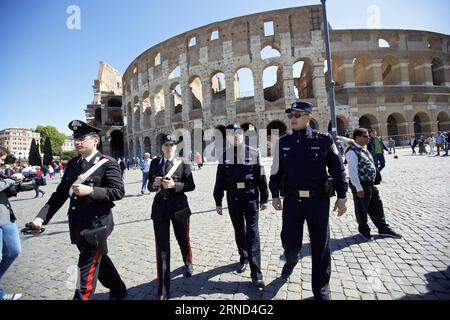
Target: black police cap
x,y
81,129
233,126
301,106
168,139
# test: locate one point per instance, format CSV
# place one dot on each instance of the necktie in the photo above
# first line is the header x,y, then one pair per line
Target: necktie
x,y
166,166
83,164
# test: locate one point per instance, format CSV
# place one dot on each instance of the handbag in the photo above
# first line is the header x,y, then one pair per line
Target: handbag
x,y
378,177
182,215
99,232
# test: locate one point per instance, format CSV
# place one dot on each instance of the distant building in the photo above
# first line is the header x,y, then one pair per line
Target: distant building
x,y
68,144
18,141
105,111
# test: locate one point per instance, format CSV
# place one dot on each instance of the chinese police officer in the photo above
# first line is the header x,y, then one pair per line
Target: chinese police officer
x,y
300,171
241,174
90,201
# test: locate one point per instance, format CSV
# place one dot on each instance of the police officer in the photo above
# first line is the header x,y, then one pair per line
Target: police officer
x,y
241,174
169,200
301,167
89,201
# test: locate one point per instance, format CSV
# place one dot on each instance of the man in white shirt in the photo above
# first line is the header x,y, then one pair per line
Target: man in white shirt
x,y
366,197
145,167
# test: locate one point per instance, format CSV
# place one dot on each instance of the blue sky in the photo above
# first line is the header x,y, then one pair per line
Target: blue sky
x,y
47,70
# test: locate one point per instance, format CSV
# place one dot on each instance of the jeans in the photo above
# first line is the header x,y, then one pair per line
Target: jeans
x,y
10,248
144,181
380,162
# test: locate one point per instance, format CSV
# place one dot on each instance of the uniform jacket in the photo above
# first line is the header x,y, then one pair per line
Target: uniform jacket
x,y
241,164
108,187
304,156
168,201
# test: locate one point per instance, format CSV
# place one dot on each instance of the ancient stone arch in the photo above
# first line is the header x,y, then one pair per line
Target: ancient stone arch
x,y
380,87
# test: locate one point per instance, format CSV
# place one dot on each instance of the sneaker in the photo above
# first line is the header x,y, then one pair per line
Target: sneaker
x,y
366,236
288,268
188,270
388,232
241,266
12,296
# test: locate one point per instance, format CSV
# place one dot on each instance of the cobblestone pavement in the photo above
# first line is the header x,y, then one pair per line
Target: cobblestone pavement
x,y
416,196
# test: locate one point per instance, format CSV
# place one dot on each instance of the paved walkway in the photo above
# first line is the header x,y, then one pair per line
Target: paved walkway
x,y
416,196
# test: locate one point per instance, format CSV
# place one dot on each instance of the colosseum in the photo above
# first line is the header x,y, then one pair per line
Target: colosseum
x,y
396,81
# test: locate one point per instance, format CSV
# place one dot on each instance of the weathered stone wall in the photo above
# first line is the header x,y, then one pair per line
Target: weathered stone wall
x,y
373,84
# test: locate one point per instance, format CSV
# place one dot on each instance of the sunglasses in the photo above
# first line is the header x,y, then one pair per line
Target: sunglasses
x,y
297,115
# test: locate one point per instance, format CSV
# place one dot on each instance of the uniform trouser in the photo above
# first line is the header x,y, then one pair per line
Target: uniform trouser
x,y
315,211
370,205
162,241
245,217
93,266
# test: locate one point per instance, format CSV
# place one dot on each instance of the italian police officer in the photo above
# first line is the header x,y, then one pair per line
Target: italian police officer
x,y
170,205
91,201
241,174
299,171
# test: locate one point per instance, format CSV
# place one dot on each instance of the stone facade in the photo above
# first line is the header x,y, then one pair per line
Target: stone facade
x,y
105,111
191,81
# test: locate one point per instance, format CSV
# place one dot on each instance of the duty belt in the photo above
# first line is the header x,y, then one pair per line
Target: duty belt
x,y
241,185
305,193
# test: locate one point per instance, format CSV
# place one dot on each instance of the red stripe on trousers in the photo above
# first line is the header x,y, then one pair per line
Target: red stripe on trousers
x,y
90,278
157,264
188,240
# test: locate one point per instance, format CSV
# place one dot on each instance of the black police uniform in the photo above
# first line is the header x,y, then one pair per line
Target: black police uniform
x,y
241,174
165,204
84,210
304,156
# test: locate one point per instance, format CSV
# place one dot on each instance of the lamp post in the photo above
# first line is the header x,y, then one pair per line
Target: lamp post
x,y
330,81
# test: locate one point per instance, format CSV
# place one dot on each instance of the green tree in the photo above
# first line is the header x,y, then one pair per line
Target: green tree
x,y
68,155
10,159
48,154
34,157
56,138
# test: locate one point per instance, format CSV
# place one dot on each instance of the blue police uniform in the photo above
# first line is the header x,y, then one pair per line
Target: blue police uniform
x,y
241,174
300,172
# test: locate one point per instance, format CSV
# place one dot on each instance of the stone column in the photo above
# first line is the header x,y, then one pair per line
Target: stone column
x,y
168,112
404,72
446,74
260,104
322,112
230,96
152,111
409,119
382,124
427,73
141,115
288,84
349,76
207,97
376,73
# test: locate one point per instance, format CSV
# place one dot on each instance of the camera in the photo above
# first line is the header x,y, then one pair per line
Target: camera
x,y
28,184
